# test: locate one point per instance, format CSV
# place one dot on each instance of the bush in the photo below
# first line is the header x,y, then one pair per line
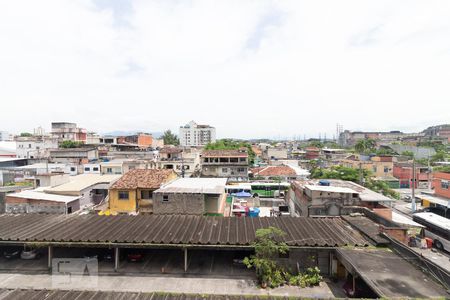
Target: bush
x,y
310,278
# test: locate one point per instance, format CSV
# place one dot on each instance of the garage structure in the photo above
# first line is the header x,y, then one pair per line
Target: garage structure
x,y
308,238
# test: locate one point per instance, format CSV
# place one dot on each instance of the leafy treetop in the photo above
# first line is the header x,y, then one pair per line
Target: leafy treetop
x,y
228,144
170,138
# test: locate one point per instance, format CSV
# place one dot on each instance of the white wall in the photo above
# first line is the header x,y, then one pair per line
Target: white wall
x,y
35,148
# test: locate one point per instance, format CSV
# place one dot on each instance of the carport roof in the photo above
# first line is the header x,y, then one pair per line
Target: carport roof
x,y
176,230
389,275
7,294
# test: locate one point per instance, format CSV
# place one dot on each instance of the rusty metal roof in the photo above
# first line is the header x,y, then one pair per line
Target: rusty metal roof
x,y
176,230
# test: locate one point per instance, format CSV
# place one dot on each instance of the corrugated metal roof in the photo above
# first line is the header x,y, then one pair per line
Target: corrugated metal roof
x,y
195,186
37,195
174,230
81,182
9,294
368,227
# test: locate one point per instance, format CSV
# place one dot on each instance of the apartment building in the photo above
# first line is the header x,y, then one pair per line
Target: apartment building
x,y
65,131
232,164
195,135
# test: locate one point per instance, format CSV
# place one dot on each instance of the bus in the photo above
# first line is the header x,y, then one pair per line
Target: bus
x,y
269,189
238,188
436,227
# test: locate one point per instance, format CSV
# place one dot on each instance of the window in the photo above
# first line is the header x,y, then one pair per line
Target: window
x,y
224,170
241,170
146,194
386,169
72,169
123,195
444,184
87,169
165,198
95,169
108,170
242,159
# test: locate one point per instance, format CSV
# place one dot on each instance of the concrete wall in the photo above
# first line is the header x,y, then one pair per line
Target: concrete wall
x,y
189,204
224,171
122,206
52,179
301,259
20,205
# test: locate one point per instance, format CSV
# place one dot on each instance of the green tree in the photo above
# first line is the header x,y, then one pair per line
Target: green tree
x,y
408,154
267,249
385,151
170,138
365,146
439,156
317,144
444,169
228,144
25,134
70,144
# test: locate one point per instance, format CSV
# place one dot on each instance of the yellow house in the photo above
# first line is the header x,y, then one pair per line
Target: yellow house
x,y
135,189
379,166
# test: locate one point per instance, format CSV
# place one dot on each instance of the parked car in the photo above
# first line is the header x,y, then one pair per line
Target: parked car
x,y
29,254
135,256
106,255
11,253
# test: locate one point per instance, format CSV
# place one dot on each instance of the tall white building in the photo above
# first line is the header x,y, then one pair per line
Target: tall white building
x,y
194,135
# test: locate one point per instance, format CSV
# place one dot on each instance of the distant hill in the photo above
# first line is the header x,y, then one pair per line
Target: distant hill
x,y
156,134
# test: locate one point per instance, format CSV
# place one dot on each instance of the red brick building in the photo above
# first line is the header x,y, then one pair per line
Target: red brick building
x,y
441,182
312,153
404,173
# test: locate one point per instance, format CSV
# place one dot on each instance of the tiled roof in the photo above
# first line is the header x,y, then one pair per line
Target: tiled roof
x,y
142,178
274,171
174,230
224,153
170,150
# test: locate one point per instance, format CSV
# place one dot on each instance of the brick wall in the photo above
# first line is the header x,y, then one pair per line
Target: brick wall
x,y
189,204
438,178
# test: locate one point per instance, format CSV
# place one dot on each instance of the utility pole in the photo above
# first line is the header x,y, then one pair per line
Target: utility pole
x,y
360,174
182,165
413,194
429,171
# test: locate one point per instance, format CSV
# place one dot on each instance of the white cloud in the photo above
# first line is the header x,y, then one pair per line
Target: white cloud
x,y
251,68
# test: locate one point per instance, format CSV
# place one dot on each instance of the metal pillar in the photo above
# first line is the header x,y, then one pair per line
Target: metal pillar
x,y
185,260
354,283
50,257
413,194
116,259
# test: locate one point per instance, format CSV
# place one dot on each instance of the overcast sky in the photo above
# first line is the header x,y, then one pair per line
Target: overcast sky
x,y
249,68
